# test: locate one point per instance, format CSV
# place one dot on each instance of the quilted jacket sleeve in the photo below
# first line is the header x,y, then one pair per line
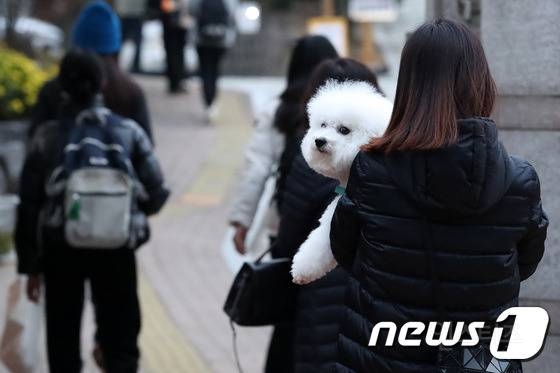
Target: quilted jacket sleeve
x,y
531,248
149,173
345,226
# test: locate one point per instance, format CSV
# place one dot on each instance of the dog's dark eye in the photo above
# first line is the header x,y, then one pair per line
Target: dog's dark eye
x,y
323,125
343,130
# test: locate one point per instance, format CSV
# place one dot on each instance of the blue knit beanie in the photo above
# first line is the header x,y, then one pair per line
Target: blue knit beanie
x,y
98,29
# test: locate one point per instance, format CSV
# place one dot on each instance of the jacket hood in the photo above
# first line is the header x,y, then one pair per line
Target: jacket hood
x,y
466,178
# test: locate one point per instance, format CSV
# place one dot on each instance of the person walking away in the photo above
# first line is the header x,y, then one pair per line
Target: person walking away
x,y
132,13
97,29
277,123
175,25
215,34
320,304
438,222
86,159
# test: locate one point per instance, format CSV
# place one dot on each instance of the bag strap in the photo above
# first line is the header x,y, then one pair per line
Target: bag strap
x,y
232,325
235,350
261,257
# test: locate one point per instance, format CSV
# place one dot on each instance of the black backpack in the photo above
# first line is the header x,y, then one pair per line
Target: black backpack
x,y
214,21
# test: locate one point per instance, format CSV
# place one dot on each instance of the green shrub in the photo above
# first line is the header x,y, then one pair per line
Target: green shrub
x,y
21,79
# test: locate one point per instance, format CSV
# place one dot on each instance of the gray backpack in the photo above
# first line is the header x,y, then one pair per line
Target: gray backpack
x,y
97,205
95,185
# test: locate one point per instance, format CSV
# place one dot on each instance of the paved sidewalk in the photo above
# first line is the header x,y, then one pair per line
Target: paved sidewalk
x,y
183,263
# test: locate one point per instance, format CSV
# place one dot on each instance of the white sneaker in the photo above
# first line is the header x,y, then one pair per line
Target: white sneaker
x,y
212,112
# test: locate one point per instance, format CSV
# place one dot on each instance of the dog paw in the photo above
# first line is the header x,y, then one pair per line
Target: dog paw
x,y
302,272
301,280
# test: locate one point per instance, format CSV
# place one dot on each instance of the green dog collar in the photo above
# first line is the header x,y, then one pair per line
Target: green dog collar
x,y
340,190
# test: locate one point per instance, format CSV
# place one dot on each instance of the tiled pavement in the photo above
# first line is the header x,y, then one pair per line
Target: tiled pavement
x,y
182,263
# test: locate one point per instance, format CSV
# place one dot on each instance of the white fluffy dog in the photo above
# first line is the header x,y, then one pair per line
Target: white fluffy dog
x,y
342,118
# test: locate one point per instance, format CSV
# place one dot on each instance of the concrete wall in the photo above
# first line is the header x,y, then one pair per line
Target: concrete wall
x,y
522,43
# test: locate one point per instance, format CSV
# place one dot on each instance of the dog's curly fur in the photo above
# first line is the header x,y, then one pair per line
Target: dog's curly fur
x,y
343,116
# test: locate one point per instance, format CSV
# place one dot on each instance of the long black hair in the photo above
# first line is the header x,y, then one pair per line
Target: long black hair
x,y
120,92
81,77
443,76
308,53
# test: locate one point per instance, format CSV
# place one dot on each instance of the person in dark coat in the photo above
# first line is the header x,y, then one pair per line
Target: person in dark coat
x,y
45,256
438,221
175,36
305,196
307,54
97,29
216,33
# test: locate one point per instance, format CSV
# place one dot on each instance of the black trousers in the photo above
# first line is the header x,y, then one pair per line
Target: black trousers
x,y
132,30
174,41
209,60
112,275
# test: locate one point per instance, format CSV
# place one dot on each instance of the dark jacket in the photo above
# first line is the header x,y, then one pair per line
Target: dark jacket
x,y
44,155
431,235
51,101
320,306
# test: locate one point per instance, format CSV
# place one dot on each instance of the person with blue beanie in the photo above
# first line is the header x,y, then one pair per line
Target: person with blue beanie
x,y
98,29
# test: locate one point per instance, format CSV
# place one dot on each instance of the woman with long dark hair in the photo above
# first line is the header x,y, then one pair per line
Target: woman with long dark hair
x,y
98,30
438,222
305,196
275,126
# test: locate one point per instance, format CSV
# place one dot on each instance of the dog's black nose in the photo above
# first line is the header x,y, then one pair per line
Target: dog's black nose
x,y
320,143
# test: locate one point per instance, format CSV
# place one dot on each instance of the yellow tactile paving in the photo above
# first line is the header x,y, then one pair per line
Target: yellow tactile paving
x,y
215,177
164,349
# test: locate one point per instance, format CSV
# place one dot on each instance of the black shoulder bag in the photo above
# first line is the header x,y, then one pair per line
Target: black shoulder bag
x,y
262,293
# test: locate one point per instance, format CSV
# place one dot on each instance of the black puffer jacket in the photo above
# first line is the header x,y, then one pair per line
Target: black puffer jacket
x,y
459,227
320,306
305,195
44,155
